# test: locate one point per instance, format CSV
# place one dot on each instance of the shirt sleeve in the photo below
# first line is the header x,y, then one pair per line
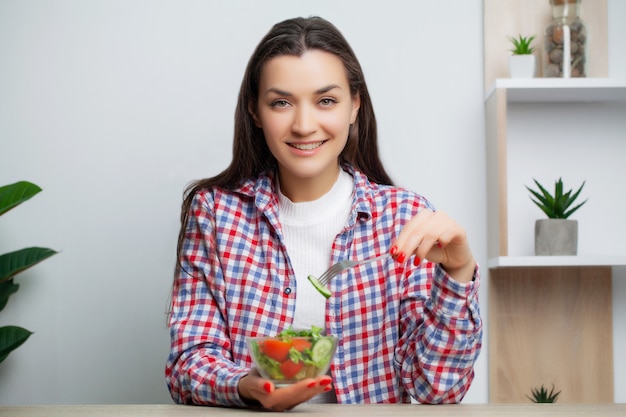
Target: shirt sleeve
x,y
442,337
200,369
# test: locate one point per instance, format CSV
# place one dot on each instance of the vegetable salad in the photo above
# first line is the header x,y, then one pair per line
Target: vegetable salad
x,y
293,355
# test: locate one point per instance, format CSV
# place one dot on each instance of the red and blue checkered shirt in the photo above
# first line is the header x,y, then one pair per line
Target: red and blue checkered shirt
x,y
403,330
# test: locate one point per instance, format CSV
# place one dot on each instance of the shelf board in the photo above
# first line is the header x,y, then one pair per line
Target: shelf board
x,y
561,89
556,261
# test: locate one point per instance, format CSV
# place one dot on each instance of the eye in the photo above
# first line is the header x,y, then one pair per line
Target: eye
x,y
279,104
327,102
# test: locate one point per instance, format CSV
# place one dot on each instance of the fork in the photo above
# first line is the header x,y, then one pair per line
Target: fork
x,y
341,266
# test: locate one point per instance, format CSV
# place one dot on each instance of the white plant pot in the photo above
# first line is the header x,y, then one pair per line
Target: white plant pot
x,y
522,66
556,237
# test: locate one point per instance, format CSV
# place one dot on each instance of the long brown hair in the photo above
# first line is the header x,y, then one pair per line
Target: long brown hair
x,y
251,156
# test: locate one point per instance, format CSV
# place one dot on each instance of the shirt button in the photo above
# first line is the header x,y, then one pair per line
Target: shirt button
x,y
287,291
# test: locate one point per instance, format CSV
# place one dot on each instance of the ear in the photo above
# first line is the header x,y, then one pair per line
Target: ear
x,y
255,116
356,105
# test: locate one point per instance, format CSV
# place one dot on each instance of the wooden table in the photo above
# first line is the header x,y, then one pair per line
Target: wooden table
x,y
326,410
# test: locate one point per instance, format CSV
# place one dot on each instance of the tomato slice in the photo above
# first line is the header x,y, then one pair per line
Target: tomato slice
x,y
301,344
276,349
289,368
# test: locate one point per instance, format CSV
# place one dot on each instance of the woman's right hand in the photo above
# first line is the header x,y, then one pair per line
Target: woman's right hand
x,y
256,388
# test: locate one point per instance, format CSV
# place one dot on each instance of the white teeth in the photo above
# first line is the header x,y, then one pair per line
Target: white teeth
x,y
306,146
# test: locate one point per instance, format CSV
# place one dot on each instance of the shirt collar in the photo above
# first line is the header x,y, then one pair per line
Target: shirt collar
x,y
263,190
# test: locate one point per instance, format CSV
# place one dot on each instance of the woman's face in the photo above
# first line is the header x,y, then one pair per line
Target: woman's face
x,y
305,110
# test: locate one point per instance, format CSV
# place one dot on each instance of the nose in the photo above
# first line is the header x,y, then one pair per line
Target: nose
x,y
304,121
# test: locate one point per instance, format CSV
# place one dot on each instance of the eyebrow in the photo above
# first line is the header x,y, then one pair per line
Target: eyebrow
x,y
288,94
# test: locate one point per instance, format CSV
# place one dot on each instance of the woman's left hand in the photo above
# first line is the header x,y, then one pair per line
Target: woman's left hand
x,y
436,237
254,387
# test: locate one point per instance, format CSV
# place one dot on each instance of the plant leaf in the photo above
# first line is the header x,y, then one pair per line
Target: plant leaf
x,y
558,189
545,196
556,206
541,395
7,288
544,200
15,262
13,195
570,212
522,45
571,200
11,337
540,198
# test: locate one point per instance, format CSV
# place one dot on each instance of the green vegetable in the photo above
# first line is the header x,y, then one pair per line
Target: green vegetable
x,y
287,334
322,350
319,287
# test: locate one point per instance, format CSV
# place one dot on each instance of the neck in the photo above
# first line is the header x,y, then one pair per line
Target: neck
x,y
301,189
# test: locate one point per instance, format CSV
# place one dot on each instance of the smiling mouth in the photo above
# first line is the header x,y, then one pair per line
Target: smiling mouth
x,y
307,146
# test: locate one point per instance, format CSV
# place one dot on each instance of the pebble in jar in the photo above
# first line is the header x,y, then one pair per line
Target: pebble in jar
x,y
565,41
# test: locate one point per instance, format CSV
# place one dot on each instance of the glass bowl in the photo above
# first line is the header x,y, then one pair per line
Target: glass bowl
x,y
288,359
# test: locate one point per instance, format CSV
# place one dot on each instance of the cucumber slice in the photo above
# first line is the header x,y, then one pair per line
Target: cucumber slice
x,y
322,350
319,287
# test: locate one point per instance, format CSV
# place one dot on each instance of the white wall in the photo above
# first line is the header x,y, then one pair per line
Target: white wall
x,y
113,106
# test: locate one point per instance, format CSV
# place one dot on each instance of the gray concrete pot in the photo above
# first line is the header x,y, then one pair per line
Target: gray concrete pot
x,y
556,237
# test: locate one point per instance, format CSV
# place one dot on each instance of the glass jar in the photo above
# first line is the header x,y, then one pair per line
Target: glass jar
x,y
565,41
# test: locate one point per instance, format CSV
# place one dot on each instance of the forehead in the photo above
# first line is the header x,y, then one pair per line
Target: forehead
x,y
313,69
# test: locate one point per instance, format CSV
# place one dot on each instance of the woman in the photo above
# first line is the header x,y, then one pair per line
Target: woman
x,y
305,189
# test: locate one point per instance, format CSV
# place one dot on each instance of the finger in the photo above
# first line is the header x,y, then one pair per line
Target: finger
x,y
253,386
288,397
410,236
437,233
424,234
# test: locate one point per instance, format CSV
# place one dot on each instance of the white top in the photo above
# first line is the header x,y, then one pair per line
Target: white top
x,y
309,229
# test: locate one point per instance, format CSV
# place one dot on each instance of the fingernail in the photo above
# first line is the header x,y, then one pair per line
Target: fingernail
x,y
328,388
325,381
401,257
393,250
417,261
267,387
439,244
311,384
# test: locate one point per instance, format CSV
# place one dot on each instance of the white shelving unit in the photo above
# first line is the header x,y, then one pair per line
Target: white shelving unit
x,y
505,93
539,304
561,89
555,261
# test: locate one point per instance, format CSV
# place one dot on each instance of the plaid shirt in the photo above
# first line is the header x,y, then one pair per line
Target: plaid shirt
x,y
403,330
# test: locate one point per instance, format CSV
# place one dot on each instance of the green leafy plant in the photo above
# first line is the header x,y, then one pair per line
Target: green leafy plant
x,y
522,45
11,264
541,395
557,205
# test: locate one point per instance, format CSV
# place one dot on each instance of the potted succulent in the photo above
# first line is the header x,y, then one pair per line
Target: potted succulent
x,y
522,64
556,235
12,195
541,395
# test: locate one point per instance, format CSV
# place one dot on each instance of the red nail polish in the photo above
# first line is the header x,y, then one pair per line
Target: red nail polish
x,y
311,384
267,387
325,381
328,388
439,244
401,257
417,261
393,250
